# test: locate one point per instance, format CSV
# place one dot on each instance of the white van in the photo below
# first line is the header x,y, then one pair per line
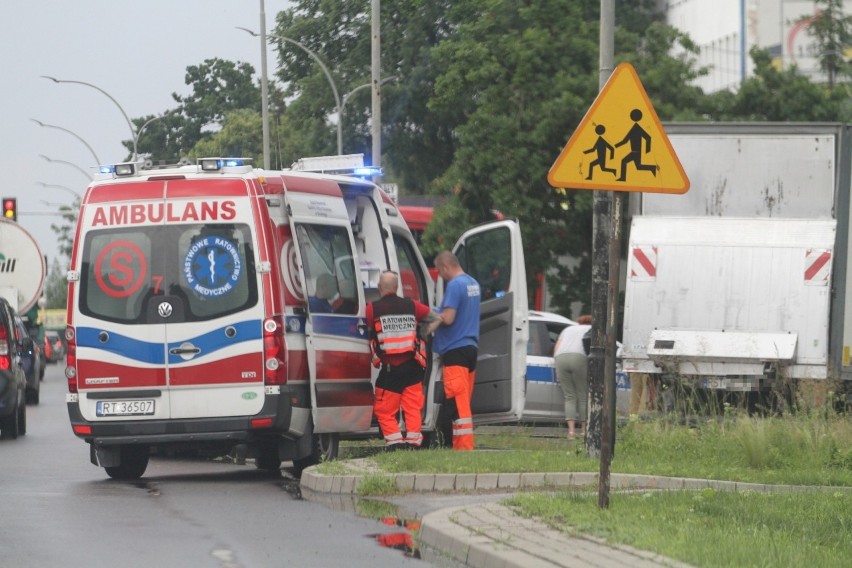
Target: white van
x,y
194,320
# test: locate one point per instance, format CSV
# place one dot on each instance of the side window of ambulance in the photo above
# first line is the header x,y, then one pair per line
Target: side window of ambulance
x,y
410,274
329,266
486,257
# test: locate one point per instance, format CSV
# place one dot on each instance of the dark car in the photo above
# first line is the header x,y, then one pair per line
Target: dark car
x,y
32,360
54,346
13,382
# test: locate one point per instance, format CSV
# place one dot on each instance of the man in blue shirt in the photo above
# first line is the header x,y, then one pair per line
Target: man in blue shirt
x,y
457,342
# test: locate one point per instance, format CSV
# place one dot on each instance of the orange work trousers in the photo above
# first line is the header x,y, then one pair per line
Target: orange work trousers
x,y
458,385
386,408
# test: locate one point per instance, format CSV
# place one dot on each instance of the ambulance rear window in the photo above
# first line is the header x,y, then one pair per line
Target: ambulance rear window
x,y
202,271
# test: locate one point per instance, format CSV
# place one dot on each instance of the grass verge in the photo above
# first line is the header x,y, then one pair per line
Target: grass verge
x,y
710,528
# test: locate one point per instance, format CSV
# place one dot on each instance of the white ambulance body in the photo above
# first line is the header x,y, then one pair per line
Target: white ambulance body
x,y
191,322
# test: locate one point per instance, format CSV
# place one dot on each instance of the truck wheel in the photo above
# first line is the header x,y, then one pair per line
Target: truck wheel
x,y
325,448
134,462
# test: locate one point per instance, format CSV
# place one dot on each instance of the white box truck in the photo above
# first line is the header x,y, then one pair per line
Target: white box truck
x,y
742,283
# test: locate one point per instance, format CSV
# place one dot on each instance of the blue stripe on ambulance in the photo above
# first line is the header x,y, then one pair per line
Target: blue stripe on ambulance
x,y
152,352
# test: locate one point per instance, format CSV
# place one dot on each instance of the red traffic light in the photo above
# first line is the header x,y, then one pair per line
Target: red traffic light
x,y
10,208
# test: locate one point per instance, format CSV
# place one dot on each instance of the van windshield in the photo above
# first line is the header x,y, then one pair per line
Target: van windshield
x,y
204,272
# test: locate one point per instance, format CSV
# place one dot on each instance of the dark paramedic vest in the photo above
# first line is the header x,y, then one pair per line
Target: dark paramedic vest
x,y
394,332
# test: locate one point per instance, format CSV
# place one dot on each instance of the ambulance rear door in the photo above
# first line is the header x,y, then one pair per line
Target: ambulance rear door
x,y
170,316
493,254
335,328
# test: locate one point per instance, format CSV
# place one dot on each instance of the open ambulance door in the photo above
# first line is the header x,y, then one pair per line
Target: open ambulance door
x,y
493,254
336,340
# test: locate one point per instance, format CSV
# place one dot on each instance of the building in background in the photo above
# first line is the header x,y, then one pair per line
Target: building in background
x,y
725,31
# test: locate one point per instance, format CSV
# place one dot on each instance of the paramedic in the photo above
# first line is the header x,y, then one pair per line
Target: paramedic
x,y
457,342
397,350
571,361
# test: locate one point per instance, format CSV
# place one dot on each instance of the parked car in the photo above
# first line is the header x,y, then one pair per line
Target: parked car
x,y
544,401
13,382
54,346
32,360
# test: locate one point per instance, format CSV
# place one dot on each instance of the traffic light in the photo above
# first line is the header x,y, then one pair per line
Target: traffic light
x,y
10,208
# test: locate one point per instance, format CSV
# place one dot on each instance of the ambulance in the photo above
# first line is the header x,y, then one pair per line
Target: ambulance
x,y
218,309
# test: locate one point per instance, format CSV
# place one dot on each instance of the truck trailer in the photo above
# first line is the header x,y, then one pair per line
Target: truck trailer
x,y
741,284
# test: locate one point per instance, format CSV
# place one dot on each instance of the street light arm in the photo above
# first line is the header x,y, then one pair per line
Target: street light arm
x,y
348,95
109,96
145,125
72,164
310,52
315,57
74,134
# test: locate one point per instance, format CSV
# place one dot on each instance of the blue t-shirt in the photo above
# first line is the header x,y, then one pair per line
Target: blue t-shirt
x,y
463,295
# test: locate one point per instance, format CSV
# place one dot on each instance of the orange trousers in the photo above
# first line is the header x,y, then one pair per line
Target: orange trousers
x,y
458,385
386,408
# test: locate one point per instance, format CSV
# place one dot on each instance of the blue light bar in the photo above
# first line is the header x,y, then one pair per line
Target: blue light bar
x,y
367,171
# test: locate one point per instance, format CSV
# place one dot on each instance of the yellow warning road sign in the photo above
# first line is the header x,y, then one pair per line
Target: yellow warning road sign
x,y
620,144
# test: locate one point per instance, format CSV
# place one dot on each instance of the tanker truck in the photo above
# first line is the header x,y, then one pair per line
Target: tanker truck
x,y
22,273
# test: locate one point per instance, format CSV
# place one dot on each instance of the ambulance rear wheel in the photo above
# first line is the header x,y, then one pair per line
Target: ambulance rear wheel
x,y
325,448
266,455
134,462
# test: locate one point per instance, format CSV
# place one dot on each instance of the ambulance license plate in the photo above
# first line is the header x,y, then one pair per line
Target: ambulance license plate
x,y
124,408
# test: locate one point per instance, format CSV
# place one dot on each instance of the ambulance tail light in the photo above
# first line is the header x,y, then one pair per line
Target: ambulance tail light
x,y
71,359
273,351
5,351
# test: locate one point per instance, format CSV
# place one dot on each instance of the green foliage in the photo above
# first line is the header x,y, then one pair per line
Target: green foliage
x,y
832,31
56,286
65,230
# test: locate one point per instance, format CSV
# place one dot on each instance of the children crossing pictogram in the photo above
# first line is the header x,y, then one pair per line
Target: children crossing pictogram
x,y
642,159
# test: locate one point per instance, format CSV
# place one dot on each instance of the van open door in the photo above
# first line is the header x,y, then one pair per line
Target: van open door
x,y
335,330
493,254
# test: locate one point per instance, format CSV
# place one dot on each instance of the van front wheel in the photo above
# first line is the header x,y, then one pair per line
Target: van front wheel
x,y
134,462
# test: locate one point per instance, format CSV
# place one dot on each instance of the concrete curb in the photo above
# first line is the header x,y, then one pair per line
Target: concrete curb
x,y
445,482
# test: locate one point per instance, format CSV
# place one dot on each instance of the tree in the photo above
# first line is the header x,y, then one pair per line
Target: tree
x,y
218,87
65,230
779,95
56,285
832,31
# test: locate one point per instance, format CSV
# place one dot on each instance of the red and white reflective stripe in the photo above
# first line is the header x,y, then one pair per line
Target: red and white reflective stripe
x,y
643,265
817,266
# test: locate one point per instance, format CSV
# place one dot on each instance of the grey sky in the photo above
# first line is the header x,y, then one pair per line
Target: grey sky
x,y
136,51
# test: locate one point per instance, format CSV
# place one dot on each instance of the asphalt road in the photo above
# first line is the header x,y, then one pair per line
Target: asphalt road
x,y
59,510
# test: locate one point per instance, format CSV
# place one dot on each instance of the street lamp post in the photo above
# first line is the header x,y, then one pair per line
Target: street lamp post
x,y
303,47
72,164
72,133
134,135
